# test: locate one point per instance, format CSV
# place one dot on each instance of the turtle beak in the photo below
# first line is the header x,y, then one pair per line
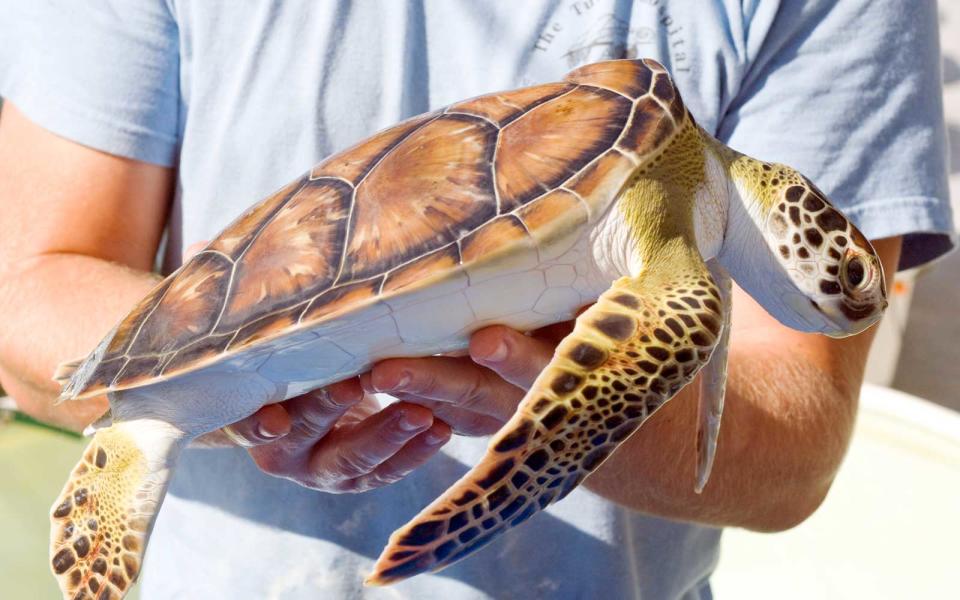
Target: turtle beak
x,y
831,319
843,325
813,317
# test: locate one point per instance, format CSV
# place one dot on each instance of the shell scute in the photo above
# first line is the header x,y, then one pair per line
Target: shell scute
x,y
188,309
140,368
655,66
340,298
650,127
414,272
492,237
549,144
544,212
296,255
664,90
237,236
555,216
502,245
267,325
503,107
444,171
123,335
630,78
602,179
354,163
204,348
105,373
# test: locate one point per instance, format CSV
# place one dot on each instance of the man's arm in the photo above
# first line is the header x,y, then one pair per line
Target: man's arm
x,y
81,231
790,409
789,413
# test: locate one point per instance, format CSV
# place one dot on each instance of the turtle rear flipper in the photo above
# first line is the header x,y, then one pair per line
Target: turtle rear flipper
x,y
628,354
102,518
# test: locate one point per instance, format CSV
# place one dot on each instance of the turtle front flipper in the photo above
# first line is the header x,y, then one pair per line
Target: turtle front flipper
x,y
102,518
713,383
643,340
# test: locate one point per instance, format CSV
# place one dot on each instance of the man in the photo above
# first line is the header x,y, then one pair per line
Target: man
x,y
129,118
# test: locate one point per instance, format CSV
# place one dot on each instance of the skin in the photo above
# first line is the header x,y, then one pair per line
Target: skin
x,y
790,406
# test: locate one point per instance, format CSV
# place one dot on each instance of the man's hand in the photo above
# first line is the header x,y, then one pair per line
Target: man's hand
x,y
335,439
338,440
475,394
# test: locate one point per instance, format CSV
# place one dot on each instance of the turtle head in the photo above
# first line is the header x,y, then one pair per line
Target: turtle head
x,y
800,257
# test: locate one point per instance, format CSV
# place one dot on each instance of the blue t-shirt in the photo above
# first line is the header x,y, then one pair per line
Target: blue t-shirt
x,y
243,96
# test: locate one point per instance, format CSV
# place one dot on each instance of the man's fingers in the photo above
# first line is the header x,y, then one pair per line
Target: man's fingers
x,y
262,427
515,357
480,392
412,455
459,381
358,449
312,416
462,420
316,412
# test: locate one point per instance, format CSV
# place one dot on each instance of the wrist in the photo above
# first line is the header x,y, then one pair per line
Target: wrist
x,y
39,404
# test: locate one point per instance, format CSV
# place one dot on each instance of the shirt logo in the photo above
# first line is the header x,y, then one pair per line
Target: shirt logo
x,y
586,31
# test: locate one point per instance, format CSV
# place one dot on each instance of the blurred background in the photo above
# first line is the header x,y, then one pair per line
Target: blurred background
x,y
888,529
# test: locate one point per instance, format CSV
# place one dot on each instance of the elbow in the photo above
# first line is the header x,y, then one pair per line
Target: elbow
x,y
794,494
805,475
787,513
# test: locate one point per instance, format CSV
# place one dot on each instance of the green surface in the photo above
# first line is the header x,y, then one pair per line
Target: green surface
x,y
34,463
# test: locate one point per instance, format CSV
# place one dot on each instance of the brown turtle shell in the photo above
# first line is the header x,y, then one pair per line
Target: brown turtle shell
x,y
393,213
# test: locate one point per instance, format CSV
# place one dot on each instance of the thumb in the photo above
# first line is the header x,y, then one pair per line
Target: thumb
x,y
510,354
194,248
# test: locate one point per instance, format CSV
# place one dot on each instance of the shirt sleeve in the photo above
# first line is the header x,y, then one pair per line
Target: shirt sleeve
x,y
103,74
849,92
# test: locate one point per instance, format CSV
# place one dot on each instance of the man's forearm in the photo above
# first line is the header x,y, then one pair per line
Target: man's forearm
x,y
785,428
789,413
56,308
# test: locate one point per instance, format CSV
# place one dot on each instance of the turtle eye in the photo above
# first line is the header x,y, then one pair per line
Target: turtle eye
x,y
856,274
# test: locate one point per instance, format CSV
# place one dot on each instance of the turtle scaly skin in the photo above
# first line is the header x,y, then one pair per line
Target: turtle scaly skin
x,y
515,208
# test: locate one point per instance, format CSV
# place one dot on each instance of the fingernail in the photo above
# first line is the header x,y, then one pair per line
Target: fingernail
x,y
499,353
267,435
399,384
328,401
408,424
322,396
432,438
235,438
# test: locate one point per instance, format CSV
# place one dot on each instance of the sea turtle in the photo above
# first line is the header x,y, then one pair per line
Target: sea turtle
x,y
517,208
